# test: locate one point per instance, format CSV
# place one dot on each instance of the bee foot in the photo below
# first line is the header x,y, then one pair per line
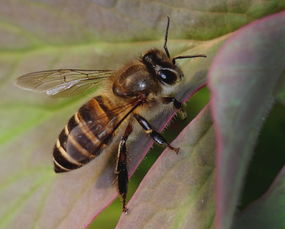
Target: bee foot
x,y
125,210
176,150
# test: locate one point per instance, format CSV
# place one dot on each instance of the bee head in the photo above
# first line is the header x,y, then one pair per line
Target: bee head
x,y
162,67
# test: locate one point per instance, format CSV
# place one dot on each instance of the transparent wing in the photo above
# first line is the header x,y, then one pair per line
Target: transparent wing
x,y
62,82
91,132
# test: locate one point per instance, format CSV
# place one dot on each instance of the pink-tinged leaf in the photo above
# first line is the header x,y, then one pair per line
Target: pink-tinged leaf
x,y
139,148
178,191
38,35
36,23
32,193
242,80
268,211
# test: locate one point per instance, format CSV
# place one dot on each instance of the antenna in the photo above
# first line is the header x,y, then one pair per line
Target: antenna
x,y
186,57
165,38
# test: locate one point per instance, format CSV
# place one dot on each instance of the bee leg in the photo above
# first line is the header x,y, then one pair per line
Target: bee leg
x,y
158,138
178,105
121,170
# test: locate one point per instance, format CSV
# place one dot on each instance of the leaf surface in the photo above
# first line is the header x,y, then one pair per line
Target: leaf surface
x,y
40,35
268,211
243,78
178,191
73,199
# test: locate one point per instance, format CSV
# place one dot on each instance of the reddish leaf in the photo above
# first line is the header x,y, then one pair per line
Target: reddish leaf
x,y
242,80
37,35
178,191
32,193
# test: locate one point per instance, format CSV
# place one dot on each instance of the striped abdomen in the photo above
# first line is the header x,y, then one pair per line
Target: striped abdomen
x,y
85,135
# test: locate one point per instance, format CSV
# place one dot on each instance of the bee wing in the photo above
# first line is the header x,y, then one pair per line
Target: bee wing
x,y
88,137
101,122
62,82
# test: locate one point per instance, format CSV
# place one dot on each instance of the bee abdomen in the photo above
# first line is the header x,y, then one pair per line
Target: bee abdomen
x,y
85,135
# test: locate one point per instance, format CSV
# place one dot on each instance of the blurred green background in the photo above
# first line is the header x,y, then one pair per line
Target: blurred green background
x,y
268,159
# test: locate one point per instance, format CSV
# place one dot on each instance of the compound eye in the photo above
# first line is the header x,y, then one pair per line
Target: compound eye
x,y
167,76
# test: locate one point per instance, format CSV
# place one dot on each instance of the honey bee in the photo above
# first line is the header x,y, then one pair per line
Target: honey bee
x,y
141,88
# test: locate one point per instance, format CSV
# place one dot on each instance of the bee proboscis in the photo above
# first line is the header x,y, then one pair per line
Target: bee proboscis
x,y
141,88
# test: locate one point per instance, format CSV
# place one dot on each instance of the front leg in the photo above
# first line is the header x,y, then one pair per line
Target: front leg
x,y
177,105
122,167
153,134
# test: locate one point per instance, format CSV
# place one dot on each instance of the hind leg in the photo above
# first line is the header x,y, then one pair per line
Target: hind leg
x,y
122,167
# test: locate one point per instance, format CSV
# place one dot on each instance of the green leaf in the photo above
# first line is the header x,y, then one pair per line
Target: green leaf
x,y
280,90
39,35
268,211
243,78
28,138
178,191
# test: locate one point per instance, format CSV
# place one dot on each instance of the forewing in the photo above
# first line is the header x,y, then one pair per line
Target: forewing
x,y
92,132
62,82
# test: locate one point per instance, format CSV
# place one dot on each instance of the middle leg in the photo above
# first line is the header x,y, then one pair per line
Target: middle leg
x,y
158,138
